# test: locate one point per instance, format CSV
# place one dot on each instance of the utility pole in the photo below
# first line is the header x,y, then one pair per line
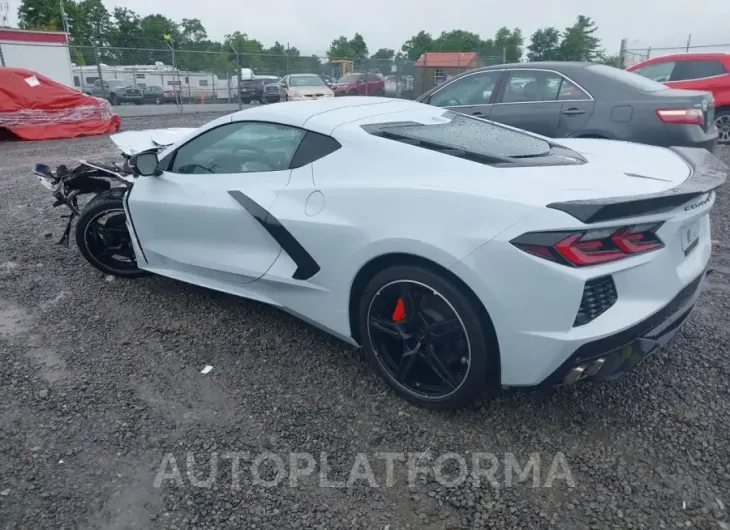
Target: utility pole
x,y
64,18
287,59
689,41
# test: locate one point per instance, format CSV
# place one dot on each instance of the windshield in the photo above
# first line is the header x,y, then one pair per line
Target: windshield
x,y
472,135
351,78
627,78
116,83
306,80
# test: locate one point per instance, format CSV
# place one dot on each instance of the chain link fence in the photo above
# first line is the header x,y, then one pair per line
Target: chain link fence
x,y
632,56
181,77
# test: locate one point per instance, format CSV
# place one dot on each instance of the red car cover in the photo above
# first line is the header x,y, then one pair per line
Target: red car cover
x,y
34,107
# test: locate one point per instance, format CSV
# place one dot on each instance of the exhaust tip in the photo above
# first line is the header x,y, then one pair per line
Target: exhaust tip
x,y
574,375
595,367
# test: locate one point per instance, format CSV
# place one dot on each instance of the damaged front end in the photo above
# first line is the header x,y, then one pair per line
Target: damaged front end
x,y
88,178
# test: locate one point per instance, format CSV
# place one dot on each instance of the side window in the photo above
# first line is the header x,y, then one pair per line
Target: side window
x,y
241,147
686,70
529,86
475,89
659,72
569,91
438,76
97,83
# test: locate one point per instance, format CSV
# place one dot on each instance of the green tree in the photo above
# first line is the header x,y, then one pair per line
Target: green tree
x,y
358,47
43,14
457,41
417,45
509,43
127,30
193,31
544,45
344,48
579,41
340,49
384,54
610,60
93,23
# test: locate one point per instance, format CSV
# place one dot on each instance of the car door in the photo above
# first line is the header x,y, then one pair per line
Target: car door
x,y
528,100
203,216
576,108
471,94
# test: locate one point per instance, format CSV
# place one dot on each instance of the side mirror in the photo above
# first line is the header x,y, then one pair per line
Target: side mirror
x,y
145,164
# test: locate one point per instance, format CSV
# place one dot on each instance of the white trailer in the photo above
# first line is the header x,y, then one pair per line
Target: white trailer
x,y
193,85
44,52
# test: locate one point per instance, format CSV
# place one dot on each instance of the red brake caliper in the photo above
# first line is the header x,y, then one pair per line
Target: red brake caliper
x,y
399,313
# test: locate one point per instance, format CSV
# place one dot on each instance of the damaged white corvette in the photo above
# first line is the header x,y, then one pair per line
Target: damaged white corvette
x,y
462,255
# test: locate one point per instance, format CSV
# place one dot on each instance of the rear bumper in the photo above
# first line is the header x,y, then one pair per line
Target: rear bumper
x,y
611,357
710,144
688,136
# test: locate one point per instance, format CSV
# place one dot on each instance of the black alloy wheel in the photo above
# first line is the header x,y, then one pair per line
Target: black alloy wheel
x,y
108,241
425,338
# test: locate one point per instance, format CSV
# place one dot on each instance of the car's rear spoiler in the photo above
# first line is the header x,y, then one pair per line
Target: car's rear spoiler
x,y
707,173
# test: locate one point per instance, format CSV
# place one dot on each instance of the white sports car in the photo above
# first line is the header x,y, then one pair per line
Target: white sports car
x,y
462,255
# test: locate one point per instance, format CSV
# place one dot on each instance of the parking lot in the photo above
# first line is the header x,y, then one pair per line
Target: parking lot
x,y
101,391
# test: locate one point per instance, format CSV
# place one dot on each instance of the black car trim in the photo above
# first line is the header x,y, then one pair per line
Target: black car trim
x,y
128,211
306,265
673,313
707,173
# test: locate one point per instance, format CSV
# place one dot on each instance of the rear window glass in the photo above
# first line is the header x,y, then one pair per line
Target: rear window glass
x,y
627,78
351,78
458,132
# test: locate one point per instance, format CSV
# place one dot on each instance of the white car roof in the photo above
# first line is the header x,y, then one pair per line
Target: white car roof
x,y
325,115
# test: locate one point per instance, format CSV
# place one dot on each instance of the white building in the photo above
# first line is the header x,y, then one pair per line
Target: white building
x,y
44,52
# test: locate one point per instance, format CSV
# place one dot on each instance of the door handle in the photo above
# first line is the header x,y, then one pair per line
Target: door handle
x,y
476,113
573,112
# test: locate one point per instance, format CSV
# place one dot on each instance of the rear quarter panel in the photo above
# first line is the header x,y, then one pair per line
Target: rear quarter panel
x,y
398,203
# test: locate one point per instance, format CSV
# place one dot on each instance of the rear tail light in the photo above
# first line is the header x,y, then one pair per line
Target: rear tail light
x,y
591,247
167,93
683,116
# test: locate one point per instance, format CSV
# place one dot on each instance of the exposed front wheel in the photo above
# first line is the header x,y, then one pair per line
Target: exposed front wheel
x,y
103,238
426,339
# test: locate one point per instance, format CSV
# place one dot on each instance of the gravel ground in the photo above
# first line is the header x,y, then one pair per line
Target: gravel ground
x,y
102,390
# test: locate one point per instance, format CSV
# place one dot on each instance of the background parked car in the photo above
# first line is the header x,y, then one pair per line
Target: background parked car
x,y
359,85
581,100
158,95
695,71
252,89
302,87
270,92
117,91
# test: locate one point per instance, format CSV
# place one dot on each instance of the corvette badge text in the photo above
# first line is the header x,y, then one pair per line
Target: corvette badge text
x,y
376,470
701,203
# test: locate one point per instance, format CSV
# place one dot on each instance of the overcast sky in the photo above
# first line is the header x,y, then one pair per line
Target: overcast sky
x,y
312,25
